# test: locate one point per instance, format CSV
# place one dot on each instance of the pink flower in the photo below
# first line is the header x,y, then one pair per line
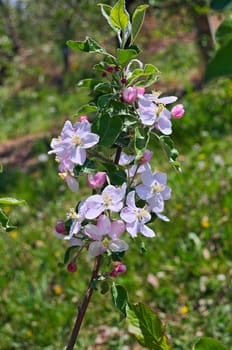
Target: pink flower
x,y
119,269
83,117
177,111
146,157
136,218
110,199
70,147
130,94
154,189
105,235
97,180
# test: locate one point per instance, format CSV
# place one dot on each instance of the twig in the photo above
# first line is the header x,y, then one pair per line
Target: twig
x,y
84,305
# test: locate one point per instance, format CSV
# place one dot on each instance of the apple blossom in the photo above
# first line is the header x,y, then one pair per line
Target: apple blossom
x,y
105,235
177,111
97,180
136,218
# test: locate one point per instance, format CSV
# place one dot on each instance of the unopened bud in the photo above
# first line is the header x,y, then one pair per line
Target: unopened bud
x,y
84,117
177,111
97,180
60,227
72,266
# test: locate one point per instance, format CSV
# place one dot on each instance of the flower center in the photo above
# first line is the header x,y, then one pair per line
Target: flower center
x,y
72,214
160,108
157,187
107,200
77,140
105,242
142,213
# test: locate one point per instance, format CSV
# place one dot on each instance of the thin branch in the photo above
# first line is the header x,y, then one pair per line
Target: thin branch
x,y
84,305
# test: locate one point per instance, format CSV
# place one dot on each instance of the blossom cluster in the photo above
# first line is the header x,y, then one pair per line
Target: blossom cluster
x,y
101,222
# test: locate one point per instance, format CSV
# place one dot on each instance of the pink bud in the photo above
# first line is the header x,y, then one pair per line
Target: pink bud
x,y
60,227
72,266
177,111
119,269
97,180
104,74
140,91
146,157
84,117
109,69
129,94
123,80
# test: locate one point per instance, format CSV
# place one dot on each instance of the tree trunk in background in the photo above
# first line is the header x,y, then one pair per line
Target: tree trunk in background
x,y
204,36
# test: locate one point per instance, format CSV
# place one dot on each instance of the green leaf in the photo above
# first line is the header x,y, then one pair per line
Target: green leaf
x,y
137,21
116,174
1,168
11,201
146,326
104,100
119,297
109,130
3,218
88,83
206,343
119,16
221,4
149,71
106,10
102,88
69,252
220,64
125,55
141,141
88,167
224,31
85,109
89,45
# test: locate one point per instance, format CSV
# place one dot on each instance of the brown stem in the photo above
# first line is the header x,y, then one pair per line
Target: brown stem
x,y
117,155
84,305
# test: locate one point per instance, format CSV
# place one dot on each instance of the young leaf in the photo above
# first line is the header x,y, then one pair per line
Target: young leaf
x,y
88,83
89,45
88,167
119,15
3,218
146,326
69,253
116,174
125,55
106,10
220,64
206,343
11,201
119,297
141,141
137,21
85,109
109,130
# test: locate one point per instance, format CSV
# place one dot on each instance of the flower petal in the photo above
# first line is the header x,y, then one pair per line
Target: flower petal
x,y
96,248
118,246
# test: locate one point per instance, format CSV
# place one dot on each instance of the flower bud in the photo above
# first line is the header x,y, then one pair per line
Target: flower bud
x,y
119,269
129,94
177,111
84,117
72,266
60,227
146,157
123,80
109,69
140,91
97,180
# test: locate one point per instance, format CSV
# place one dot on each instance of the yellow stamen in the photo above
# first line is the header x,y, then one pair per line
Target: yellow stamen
x,y
77,140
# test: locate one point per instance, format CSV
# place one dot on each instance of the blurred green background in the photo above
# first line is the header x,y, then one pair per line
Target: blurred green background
x,y
185,275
